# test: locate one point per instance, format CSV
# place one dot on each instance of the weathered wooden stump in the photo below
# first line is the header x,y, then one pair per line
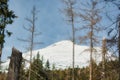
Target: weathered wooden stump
x,y
15,65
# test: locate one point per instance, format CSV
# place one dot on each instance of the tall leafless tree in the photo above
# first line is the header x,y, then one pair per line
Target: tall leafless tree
x,y
69,11
89,13
33,34
104,52
115,39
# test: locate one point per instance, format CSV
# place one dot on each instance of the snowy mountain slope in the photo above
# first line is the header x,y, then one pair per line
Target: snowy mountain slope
x,y
60,54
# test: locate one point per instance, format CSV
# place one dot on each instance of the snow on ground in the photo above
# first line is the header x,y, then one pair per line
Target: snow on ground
x,y
60,54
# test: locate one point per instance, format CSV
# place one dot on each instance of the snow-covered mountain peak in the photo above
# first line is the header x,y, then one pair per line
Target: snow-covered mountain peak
x,y
62,43
60,54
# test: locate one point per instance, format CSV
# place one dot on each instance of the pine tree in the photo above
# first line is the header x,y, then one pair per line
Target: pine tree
x,y
53,68
6,17
47,65
22,75
36,68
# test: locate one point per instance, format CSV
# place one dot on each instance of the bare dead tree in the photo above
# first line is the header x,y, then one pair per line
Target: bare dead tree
x,y
15,65
104,52
69,10
115,39
89,13
33,34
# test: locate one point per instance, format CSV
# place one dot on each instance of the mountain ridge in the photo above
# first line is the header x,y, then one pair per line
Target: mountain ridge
x,y
60,54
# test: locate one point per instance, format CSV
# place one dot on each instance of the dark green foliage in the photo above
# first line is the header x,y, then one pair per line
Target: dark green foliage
x,y
39,71
22,72
6,17
36,68
47,65
83,73
112,70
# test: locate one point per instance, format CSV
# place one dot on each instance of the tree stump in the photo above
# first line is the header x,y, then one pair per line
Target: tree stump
x,y
14,65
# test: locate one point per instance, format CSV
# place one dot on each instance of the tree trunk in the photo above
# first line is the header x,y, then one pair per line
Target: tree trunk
x,y
91,53
73,46
0,57
15,65
104,51
91,64
119,49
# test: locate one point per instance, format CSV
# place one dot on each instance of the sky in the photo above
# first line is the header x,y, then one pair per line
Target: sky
x,y
51,23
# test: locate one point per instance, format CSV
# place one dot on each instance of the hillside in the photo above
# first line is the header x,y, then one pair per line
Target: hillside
x,y
60,54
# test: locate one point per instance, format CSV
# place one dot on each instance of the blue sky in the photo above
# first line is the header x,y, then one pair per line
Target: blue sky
x,y
51,22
